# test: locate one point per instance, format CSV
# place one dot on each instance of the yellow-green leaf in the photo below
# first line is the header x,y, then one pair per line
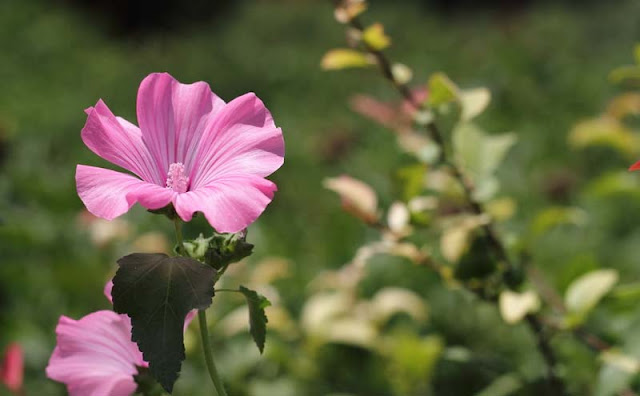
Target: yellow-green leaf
x,y
441,90
604,131
554,216
375,38
344,58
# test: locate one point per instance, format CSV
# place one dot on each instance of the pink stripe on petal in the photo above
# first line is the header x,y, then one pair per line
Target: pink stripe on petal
x,y
231,204
242,139
172,117
109,194
119,142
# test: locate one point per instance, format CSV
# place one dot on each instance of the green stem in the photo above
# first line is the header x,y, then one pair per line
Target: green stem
x,y
178,227
208,356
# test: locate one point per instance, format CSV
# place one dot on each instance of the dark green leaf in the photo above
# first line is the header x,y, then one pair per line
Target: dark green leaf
x,y
257,318
157,292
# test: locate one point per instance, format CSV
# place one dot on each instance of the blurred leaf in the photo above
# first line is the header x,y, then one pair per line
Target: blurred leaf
x,y
555,216
412,180
257,318
456,236
398,217
501,209
411,361
604,131
375,38
474,102
612,380
157,291
625,74
402,73
614,183
441,90
629,291
585,292
344,58
636,54
624,105
392,300
349,9
480,155
357,197
515,306
504,385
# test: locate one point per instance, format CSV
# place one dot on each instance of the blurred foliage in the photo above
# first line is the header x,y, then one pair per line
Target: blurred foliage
x,y
399,329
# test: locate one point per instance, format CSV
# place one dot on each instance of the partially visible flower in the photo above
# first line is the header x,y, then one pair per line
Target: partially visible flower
x,y
635,166
192,150
12,368
95,356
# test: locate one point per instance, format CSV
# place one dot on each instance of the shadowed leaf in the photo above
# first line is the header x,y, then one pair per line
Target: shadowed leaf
x,y
157,292
257,318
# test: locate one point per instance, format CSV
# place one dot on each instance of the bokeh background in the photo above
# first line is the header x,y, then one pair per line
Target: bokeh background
x,y
545,62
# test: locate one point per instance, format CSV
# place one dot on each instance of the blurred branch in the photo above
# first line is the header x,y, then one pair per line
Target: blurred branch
x,y
555,383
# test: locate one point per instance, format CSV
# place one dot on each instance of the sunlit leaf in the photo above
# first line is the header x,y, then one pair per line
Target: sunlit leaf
x,y
358,198
257,318
555,216
480,155
157,291
344,58
624,105
375,38
604,131
392,300
349,9
501,209
456,236
585,292
515,306
615,183
474,102
402,73
441,90
398,217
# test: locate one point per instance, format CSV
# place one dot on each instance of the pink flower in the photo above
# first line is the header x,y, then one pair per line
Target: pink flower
x,y
95,356
191,150
12,368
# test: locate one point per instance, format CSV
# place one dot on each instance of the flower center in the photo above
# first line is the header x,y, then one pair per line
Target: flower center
x,y
176,178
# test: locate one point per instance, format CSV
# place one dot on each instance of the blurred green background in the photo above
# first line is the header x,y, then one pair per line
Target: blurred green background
x,y
546,64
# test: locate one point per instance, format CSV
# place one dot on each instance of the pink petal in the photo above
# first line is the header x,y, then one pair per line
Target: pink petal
x,y
95,356
241,139
108,194
119,142
12,368
230,204
172,117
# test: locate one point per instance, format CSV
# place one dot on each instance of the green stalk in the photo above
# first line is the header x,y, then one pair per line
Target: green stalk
x,y
208,356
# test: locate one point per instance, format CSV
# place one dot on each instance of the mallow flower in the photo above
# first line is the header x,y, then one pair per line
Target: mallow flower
x,y
12,369
191,149
94,356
